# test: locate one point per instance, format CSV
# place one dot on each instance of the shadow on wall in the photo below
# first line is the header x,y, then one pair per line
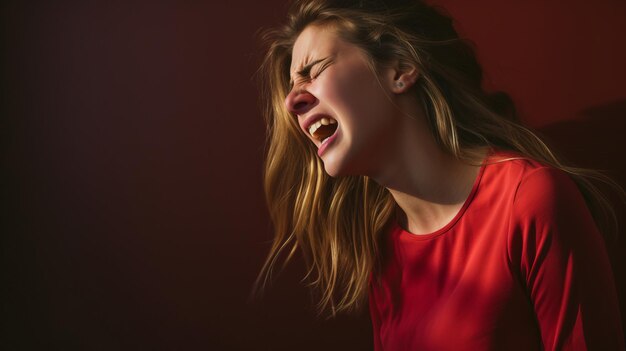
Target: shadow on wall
x,y
596,140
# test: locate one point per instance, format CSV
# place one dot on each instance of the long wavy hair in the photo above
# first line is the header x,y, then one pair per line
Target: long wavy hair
x,y
337,222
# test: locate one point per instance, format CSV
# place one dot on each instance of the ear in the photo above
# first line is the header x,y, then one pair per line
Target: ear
x,y
401,77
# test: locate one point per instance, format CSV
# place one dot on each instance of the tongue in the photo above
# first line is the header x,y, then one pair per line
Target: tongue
x,y
325,131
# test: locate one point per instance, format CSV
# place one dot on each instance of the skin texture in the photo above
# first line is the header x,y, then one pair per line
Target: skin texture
x,y
382,131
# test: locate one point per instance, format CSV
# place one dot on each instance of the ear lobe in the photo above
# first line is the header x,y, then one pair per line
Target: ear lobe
x,y
404,78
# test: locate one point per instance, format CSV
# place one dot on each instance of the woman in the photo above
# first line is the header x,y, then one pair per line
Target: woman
x,y
405,184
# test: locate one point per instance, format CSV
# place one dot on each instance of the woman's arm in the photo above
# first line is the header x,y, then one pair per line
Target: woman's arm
x,y
563,263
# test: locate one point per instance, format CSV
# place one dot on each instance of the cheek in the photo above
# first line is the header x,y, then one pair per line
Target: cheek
x,y
354,88
363,103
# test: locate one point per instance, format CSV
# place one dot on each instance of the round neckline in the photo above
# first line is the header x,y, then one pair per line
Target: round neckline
x,y
420,237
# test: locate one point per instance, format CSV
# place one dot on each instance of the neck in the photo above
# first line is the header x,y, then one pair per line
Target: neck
x,y
429,185
432,200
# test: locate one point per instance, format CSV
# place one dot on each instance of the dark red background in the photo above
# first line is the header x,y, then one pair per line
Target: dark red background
x,y
132,148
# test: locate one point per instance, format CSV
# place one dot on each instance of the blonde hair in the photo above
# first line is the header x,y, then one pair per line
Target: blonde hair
x,y
337,222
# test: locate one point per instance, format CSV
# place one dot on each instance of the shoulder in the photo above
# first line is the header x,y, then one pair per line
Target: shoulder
x,y
532,187
542,204
548,212
547,193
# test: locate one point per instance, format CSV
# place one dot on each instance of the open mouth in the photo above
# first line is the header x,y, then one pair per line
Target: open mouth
x,y
323,129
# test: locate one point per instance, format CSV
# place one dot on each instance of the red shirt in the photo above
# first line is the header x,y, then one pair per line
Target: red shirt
x,y
522,266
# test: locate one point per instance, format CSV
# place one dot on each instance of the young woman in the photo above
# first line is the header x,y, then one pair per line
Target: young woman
x,y
407,185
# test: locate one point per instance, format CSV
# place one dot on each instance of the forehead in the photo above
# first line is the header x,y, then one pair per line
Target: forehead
x,y
314,42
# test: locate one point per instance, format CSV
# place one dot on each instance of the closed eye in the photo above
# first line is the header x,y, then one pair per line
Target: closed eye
x,y
321,68
305,72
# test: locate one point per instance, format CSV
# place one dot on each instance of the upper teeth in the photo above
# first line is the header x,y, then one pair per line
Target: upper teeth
x,y
324,121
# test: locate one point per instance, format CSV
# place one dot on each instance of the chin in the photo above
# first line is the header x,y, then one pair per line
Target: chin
x,y
339,169
333,172
341,164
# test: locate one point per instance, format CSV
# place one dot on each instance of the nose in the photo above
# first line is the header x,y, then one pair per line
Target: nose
x,y
299,101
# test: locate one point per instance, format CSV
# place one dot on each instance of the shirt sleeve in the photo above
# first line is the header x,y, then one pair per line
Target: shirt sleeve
x,y
561,260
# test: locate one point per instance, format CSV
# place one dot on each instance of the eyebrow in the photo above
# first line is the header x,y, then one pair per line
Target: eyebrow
x,y
306,69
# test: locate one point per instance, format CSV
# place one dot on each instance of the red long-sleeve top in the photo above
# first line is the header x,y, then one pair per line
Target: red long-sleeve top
x,y
522,266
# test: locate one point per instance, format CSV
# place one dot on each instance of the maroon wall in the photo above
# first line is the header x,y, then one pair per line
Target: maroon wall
x,y
132,146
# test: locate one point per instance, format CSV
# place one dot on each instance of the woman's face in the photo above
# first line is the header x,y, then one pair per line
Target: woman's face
x,y
341,105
